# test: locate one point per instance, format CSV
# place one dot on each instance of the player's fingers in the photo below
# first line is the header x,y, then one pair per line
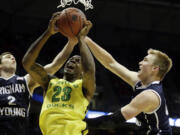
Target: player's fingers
x,y
85,28
55,19
56,14
88,23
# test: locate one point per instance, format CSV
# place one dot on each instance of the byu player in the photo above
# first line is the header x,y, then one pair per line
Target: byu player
x,y
15,91
148,104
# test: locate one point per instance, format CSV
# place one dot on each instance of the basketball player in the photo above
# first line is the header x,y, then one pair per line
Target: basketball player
x,y
15,91
66,99
148,104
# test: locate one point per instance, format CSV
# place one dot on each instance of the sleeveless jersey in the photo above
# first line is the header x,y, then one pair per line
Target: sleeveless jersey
x,y
64,108
14,105
156,122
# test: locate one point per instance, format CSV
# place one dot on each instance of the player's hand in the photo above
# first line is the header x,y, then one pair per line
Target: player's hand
x,y
84,31
52,28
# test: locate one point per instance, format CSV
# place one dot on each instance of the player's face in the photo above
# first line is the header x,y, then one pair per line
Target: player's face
x,y
73,66
8,61
146,67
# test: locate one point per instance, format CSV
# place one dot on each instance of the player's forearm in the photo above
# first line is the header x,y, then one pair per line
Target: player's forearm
x,y
33,51
61,58
101,54
106,122
87,58
110,63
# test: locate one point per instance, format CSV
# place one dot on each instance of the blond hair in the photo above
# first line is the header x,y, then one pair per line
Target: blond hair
x,y
162,60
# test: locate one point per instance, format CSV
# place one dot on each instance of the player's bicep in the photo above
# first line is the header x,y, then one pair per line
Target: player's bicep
x,y
31,83
139,104
39,74
89,84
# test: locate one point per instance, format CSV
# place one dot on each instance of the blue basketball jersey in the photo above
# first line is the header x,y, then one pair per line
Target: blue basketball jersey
x,y
156,122
14,105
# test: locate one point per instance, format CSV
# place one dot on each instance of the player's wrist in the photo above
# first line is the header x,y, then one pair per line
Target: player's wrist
x,y
72,42
49,32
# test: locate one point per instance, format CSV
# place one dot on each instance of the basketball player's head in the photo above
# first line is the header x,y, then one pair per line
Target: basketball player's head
x,y
156,64
73,68
7,62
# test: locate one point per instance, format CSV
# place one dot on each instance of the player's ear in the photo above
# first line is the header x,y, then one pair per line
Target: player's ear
x,y
156,68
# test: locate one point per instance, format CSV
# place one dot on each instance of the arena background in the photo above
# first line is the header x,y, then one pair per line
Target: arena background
x,y
125,28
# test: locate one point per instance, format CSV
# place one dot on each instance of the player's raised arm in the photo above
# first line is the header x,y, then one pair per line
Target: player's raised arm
x,y
36,71
88,64
110,63
59,60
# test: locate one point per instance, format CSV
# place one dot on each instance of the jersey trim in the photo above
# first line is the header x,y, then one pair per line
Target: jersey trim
x,y
157,120
154,82
8,77
134,88
28,86
159,101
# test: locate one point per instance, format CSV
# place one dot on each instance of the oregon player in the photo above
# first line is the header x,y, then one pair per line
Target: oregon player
x,y
65,100
64,108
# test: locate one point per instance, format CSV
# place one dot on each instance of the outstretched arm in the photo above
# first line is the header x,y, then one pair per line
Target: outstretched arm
x,y
88,64
146,102
110,63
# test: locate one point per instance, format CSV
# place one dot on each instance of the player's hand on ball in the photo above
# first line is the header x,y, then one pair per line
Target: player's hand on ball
x,y
52,28
85,30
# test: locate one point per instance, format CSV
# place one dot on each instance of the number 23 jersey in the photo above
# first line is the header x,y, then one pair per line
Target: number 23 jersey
x,y
65,99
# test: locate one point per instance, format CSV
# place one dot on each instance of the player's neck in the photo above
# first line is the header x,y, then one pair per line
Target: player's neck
x,y
69,78
150,80
6,74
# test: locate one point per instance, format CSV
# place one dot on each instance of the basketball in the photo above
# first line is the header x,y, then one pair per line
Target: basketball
x,y
70,22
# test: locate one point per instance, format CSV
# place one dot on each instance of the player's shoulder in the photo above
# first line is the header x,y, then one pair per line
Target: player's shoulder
x,y
79,80
149,95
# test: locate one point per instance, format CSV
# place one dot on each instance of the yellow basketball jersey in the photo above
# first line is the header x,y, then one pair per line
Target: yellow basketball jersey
x,y
63,109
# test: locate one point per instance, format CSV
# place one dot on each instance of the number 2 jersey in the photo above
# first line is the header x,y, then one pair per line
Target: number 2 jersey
x,y
14,105
64,108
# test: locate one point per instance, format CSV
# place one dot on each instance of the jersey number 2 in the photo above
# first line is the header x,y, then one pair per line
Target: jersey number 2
x,y
66,94
11,100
